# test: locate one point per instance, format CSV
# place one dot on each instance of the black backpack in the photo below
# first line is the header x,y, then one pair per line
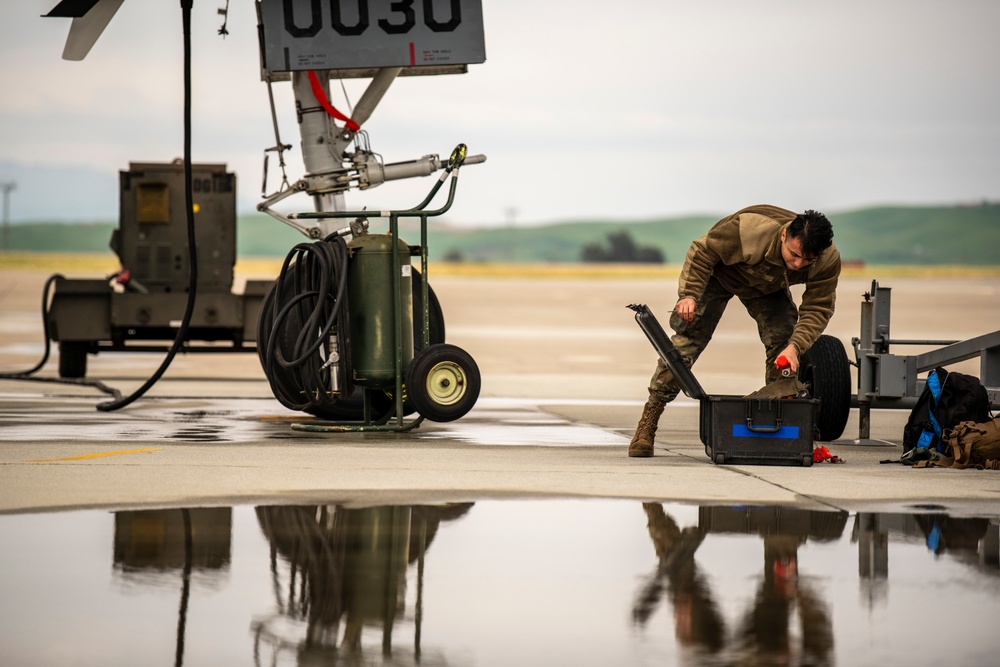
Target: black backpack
x,y
947,399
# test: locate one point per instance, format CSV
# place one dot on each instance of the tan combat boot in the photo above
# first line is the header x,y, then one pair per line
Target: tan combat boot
x,y
642,441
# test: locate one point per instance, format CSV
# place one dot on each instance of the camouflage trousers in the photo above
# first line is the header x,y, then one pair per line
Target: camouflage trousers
x,y
775,314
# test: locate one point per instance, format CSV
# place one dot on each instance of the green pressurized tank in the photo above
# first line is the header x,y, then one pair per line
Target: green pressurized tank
x,y
369,297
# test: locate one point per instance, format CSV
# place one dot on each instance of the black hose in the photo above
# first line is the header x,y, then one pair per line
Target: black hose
x,y
306,306
181,337
20,375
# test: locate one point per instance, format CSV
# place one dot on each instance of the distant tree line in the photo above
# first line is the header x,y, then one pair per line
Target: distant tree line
x,y
621,248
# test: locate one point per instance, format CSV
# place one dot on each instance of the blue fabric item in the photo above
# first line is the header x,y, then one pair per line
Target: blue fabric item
x,y
934,538
927,437
784,433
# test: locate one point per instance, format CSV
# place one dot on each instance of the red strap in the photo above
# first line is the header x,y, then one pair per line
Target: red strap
x,y
325,103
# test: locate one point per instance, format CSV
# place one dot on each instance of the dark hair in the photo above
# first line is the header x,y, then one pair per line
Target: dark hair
x,y
814,230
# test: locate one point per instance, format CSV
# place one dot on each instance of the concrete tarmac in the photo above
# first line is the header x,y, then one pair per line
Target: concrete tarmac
x,y
564,369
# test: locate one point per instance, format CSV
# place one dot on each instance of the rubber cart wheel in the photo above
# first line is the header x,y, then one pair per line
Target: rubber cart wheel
x,y
824,368
720,459
73,358
443,382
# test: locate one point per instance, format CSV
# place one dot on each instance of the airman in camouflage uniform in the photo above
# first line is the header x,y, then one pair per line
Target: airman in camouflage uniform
x,y
754,254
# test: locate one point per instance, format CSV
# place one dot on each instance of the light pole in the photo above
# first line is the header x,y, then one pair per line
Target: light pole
x,y
6,187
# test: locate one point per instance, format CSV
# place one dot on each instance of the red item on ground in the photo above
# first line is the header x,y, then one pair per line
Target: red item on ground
x,y
821,454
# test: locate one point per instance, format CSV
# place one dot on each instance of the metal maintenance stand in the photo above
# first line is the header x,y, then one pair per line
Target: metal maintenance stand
x,y
887,380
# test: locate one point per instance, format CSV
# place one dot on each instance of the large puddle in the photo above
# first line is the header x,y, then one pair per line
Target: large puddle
x,y
540,582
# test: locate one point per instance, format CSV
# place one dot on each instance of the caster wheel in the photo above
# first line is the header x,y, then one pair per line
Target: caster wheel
x,y
443,382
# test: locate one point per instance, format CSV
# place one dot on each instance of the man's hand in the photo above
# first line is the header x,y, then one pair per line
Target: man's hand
x,y
685,309
792,354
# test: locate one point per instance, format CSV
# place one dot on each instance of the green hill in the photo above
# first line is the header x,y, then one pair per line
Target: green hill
x,y
968,235
921,235
886,235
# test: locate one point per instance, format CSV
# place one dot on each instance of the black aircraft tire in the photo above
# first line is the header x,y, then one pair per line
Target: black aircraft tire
x,y
443,382
824,368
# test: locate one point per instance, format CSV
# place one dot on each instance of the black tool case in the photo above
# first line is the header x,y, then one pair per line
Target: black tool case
x,y
736,429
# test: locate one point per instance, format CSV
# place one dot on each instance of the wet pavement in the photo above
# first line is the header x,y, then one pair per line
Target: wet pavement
x,y
59,452
513,582
554,418
198,526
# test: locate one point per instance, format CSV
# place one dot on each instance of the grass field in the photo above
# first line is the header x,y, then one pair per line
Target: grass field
x,y
928,235
80,264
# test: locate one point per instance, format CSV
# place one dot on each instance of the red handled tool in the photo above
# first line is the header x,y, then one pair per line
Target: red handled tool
x,y
785,365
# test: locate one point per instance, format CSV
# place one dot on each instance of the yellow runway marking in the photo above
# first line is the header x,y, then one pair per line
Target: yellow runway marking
x,y
96,456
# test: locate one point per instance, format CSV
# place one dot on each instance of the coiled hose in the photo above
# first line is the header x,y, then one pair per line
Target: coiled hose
x,y
306,304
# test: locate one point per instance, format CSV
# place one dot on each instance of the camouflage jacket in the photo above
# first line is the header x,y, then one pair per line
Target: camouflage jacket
x,y
743,251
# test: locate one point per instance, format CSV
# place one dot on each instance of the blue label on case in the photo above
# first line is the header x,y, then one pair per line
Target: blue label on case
x,y
784,433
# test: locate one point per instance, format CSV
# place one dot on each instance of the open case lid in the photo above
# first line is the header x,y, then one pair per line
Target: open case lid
x,y
668,353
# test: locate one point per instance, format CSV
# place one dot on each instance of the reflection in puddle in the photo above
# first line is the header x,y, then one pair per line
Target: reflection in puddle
x,y
199,434
787,616
496,583
342,575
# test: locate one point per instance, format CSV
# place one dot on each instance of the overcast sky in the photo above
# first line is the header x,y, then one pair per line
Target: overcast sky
x,y
585,109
